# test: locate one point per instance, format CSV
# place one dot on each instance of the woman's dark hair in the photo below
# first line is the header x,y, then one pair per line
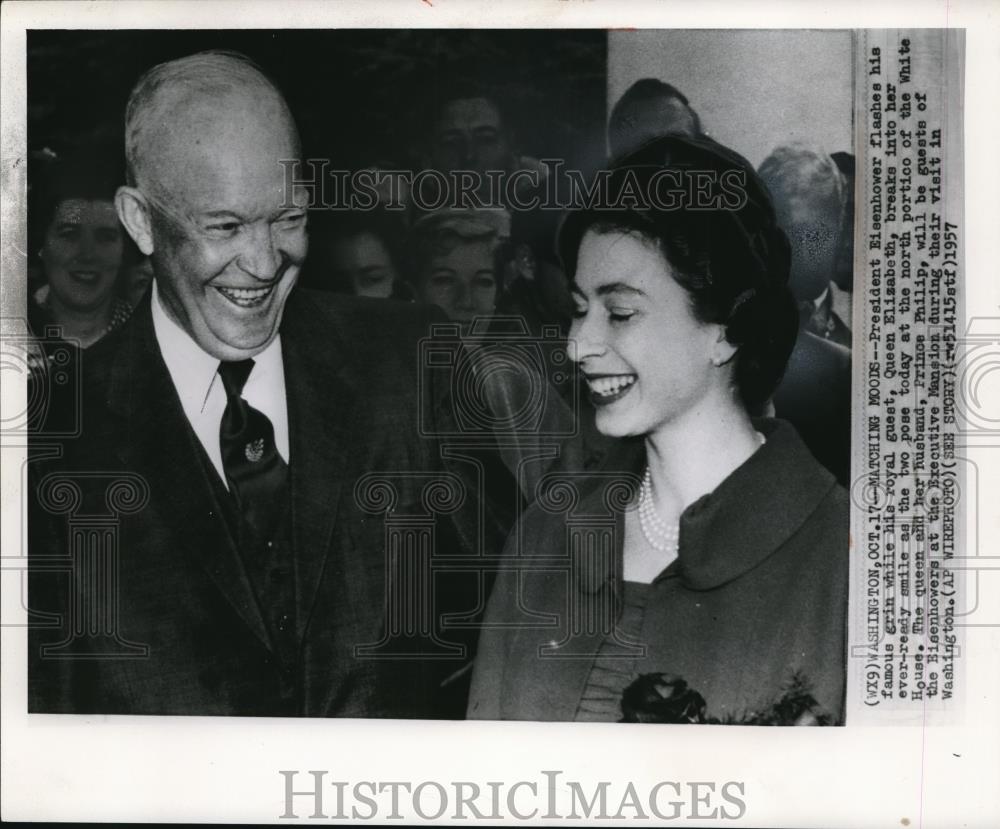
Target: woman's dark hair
x,y
711,217
89,175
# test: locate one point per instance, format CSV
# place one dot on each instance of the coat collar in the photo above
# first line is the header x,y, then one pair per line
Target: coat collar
x,y
749,516
753,512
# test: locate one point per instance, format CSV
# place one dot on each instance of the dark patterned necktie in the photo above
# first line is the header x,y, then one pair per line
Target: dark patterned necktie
x,y
256,473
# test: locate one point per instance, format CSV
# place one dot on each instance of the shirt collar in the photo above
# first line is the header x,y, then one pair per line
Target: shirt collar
x,y
818,302
192,369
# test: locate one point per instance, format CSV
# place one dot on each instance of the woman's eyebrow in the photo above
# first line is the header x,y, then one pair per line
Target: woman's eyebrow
x,y
618,288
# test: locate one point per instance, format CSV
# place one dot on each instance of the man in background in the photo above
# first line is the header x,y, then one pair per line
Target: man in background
x,y
815,394
810,198
648,109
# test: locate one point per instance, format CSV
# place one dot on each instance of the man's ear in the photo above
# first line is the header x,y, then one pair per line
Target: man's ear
x,y
723,351
133,211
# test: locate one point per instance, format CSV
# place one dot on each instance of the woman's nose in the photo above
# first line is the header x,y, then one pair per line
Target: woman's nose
x,y
584,341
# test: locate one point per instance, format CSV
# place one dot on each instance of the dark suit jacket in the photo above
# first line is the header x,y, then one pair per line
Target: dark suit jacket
x,y
815,396
757,594
172,625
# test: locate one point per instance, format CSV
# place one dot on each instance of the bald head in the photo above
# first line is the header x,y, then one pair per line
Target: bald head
x,y
187,103
207,138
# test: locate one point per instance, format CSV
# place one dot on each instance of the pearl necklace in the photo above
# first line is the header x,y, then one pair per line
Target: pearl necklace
x,y
662,537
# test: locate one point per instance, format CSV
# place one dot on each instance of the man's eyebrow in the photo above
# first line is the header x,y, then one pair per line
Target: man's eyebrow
x,y
285,211
221,214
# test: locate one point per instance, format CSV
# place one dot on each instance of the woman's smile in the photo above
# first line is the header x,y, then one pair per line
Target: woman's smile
x,y
609,388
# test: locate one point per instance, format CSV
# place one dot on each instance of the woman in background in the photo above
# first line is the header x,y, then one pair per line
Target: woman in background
x,y
457,257
80,246
715,590
81,249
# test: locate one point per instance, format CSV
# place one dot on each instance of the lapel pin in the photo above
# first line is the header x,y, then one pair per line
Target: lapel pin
x,y
254,450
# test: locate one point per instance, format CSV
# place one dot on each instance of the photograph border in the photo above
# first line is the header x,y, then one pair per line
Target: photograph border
x,y
201,769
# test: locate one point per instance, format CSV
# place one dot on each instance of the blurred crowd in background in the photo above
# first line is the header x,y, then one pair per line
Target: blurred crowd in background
x,y
420,111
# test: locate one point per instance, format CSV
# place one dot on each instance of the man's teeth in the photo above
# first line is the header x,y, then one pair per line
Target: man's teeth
x,y
606,386
246,296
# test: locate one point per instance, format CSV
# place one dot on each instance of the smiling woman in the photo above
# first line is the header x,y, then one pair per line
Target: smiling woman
x,y
81,246
456,256
726,570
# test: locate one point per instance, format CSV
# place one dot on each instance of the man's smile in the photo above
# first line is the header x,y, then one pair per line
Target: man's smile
x,y
247,297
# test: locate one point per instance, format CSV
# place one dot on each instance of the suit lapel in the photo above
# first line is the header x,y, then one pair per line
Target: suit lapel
x,y
321,391
156,441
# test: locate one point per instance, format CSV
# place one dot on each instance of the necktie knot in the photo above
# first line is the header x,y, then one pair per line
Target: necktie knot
x,y
234,376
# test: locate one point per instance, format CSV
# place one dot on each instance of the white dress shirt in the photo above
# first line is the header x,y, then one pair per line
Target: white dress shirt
x,y
203,397
842,304
818,302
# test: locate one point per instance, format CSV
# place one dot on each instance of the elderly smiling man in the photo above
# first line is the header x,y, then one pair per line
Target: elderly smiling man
x,y
246,573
